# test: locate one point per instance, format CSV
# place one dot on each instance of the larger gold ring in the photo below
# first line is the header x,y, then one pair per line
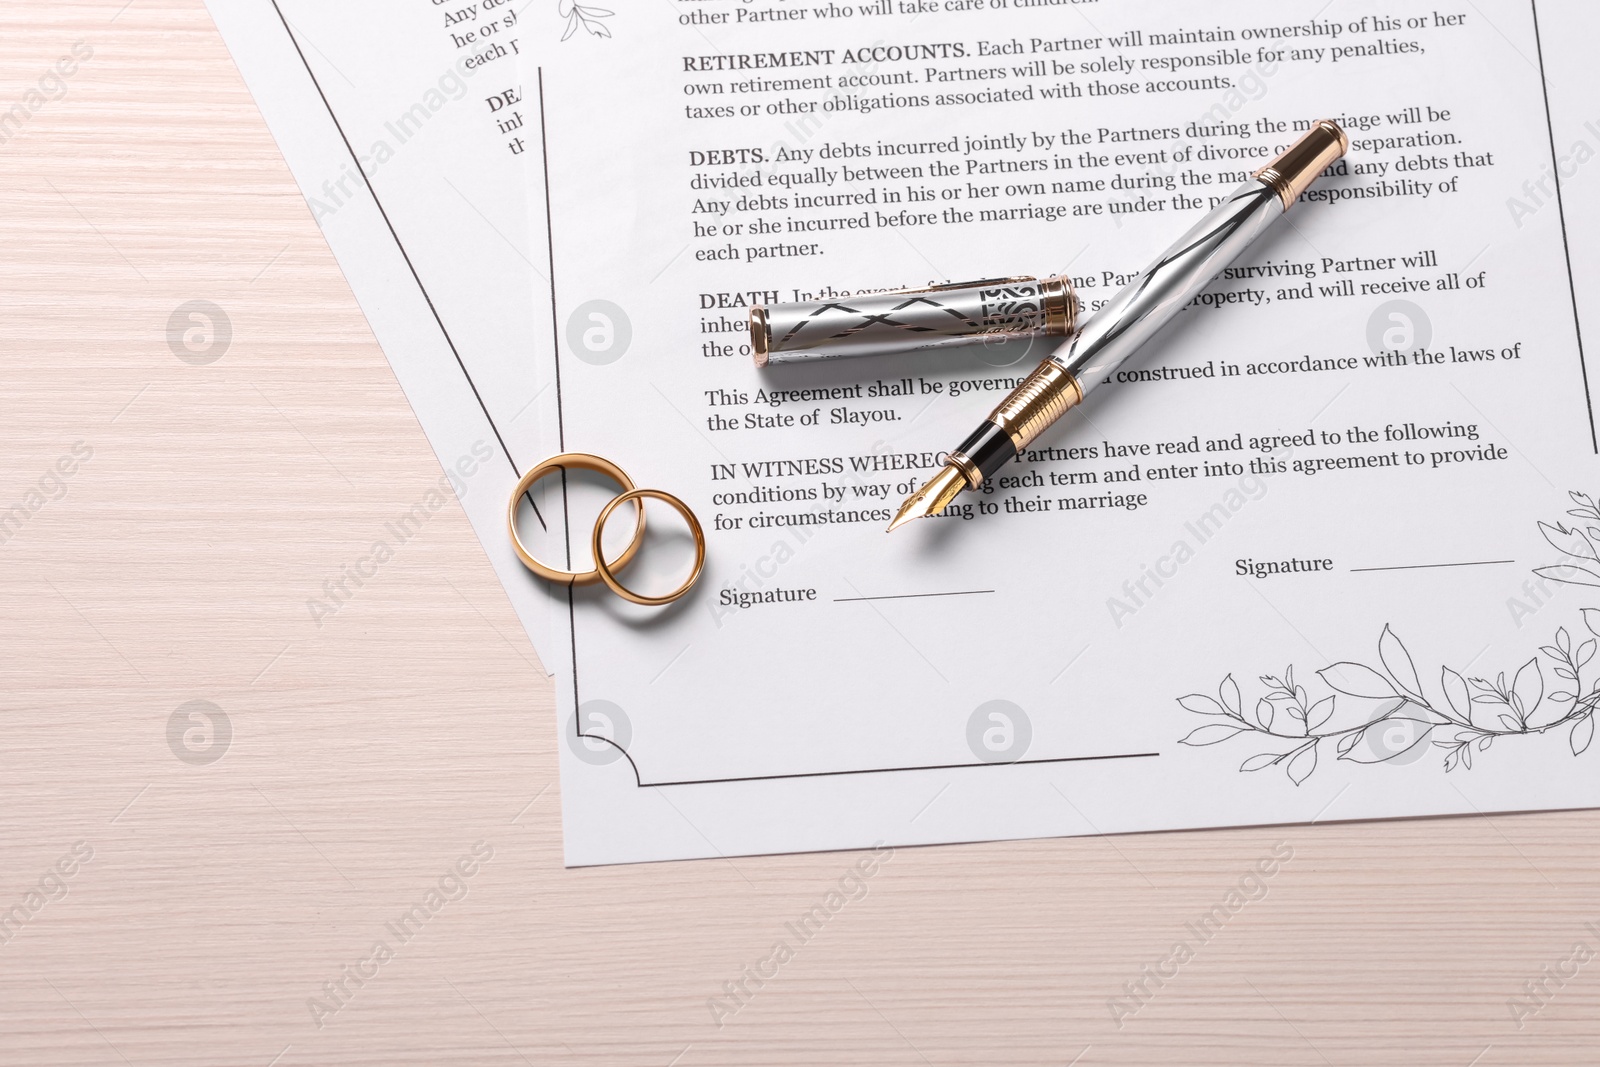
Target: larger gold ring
x,y
605,568
580,461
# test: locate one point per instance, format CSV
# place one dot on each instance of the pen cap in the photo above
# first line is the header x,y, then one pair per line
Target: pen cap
x,y
906,320
1304,161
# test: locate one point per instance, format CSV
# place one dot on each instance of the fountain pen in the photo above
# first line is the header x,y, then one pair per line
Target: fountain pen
x,y
1131,318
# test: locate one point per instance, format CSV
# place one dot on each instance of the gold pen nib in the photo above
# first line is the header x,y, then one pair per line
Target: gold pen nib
x,y
931,498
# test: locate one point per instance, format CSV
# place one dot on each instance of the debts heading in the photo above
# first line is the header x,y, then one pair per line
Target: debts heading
x,y
823,57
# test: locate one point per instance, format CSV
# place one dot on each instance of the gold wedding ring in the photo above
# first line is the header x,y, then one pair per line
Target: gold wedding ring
x,y
578,461
605,568
604,571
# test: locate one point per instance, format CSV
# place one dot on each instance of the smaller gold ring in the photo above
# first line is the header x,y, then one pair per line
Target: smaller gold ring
x,y
605,568
581,461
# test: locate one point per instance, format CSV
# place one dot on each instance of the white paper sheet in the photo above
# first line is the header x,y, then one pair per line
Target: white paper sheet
x,y
1095,649
406,128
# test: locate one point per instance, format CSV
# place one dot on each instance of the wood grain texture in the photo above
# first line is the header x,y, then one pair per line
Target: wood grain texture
x,y
370,752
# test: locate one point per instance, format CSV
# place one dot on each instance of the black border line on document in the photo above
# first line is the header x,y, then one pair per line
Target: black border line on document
x,y
401,248
1561,210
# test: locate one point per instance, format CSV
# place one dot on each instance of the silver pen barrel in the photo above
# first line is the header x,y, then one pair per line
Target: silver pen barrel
x,y
1152,300
1130,319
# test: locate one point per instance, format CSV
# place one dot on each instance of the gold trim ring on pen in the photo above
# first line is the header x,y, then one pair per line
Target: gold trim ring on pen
x,y
638,496
579,461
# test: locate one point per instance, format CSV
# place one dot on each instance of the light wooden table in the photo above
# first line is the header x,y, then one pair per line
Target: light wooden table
x,y
368,754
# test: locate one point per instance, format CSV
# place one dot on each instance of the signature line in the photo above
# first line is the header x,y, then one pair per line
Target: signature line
x,y
1431,566
909,596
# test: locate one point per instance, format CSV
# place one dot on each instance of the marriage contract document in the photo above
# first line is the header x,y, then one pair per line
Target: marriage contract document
x,y
1328,550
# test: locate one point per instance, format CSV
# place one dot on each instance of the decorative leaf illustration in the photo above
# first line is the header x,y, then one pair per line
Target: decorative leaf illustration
x,y
1394,736
584,15
1229,692
1591,619
1570,574
1392,716
1570,543
1200,704
1264,713
1292,725
1356,680
1456,695
1210,735
1528,690
1303,763
1397,661
1582,734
